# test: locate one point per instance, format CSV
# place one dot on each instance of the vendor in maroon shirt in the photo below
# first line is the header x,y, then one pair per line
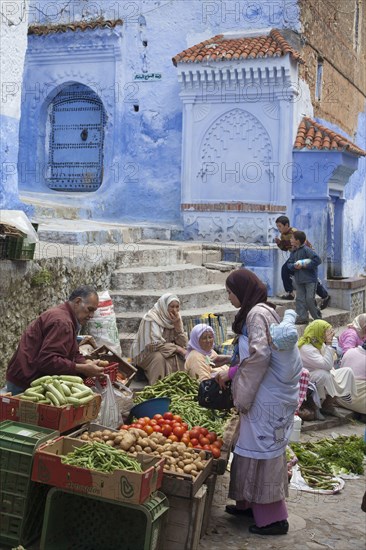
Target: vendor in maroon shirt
x,y
49,345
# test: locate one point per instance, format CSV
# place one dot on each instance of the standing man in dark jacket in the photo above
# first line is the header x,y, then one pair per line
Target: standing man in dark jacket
x,y
303,262
49,345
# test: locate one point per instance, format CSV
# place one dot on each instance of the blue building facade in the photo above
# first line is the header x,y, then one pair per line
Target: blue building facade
x,y
112,127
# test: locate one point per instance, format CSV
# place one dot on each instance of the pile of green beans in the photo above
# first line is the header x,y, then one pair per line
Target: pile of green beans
x,y
101,457
176,385
318,478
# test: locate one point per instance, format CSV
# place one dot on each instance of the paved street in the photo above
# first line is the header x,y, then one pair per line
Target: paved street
x,y
316,522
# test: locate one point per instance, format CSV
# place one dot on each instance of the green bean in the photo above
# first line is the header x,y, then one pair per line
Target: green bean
x,y
101,457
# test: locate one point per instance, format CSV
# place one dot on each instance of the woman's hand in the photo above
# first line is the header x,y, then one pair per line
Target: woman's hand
x,y
222,378
329,334
176,320
181,351
221,360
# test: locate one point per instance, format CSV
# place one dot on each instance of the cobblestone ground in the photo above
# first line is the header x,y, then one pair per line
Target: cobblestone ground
x,y
316,521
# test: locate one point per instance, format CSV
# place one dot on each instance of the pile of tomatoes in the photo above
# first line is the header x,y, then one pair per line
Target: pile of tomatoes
x,y
174,428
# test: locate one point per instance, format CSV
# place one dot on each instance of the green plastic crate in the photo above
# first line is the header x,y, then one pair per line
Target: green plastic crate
x,y
84,522
22,501
19,248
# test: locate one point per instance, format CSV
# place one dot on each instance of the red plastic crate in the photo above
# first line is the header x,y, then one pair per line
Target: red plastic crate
x,y
110,371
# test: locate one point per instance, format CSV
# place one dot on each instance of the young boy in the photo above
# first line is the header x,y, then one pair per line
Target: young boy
x,y
303,262
284,243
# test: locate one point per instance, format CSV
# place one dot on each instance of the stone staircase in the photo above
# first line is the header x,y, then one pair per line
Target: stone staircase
x,y
147,263
153,268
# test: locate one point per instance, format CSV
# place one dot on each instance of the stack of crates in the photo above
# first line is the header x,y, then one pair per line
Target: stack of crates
x,y
86,521
19,248
22,501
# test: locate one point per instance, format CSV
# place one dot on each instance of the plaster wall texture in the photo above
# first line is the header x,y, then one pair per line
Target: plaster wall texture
x,y
22,299
13,42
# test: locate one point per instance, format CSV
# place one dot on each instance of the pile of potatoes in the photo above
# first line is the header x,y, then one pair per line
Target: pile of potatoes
x,y
179,459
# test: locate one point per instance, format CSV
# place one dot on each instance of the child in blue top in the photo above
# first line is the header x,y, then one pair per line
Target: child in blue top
x,y
303,263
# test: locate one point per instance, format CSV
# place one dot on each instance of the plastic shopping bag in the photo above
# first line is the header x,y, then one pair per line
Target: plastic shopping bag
x,y
109,415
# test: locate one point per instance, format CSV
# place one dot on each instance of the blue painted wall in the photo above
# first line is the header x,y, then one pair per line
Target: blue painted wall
x,y
142,177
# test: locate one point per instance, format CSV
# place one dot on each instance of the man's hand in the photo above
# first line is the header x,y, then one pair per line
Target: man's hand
x,y
90,368
277,240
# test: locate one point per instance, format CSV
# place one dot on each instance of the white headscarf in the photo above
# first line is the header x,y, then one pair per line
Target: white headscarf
x,y
153,323
359,324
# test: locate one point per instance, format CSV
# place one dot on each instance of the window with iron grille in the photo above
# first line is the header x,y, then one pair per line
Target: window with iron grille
x,y
75,140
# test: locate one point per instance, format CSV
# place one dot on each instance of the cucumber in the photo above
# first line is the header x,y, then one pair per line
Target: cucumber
x,y
73,401
27,397
82,394
85,400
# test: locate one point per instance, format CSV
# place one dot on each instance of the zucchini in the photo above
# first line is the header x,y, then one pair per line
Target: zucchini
x,y
41,380
70,378
52,398
27,397
60,398
82,394
66,389
86,399
73,401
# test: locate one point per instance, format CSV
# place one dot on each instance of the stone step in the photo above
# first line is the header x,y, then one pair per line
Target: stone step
x,y
128,322
190,297
163,277
160,253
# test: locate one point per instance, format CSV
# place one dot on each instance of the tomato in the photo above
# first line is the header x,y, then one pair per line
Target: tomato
x,y
166,429
142,421
147,419
204,431
148,429
162,421
168,416
194,442
194,433
206,447
124,427
184,425
211,436
153,422
185,439
173,437
157,428
204,441
216,453
178,432
157,416
219,442
139,426
177,418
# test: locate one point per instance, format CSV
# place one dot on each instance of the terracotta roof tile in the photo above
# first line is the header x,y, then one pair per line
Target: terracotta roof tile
x,y
78,25
219,48
312,135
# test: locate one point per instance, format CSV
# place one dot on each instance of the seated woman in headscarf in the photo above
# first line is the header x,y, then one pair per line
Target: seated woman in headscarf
x,y
354,335
318,357
355,359
160,344
201,358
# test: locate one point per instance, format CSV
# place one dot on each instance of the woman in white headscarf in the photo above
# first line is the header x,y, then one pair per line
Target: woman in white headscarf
x,y
354,335
160,344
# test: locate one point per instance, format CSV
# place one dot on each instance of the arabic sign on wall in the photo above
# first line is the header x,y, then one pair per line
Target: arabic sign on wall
x,y
147,76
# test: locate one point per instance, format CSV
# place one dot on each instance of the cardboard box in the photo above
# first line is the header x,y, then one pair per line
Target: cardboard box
x,y
104,353
185,485
120,485
61,419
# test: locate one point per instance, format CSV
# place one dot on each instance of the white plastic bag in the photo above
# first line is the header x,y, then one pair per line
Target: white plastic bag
x,y
109,414
19,220
103,325
124,398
